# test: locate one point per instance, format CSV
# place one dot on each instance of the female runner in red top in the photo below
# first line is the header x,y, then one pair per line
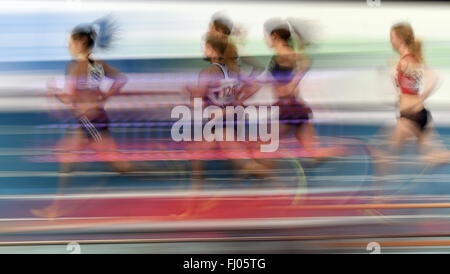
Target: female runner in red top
x,y
415,82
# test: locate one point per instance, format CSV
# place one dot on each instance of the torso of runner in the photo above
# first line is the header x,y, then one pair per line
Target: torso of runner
x,y
87,77
282,73
293,109
282,68
223,92
409,80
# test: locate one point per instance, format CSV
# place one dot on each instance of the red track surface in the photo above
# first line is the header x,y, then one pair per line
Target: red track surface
x,y
166,151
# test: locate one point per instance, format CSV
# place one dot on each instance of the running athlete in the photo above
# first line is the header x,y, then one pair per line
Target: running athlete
x,y
221,26
414,82
287,68
83,96
219,85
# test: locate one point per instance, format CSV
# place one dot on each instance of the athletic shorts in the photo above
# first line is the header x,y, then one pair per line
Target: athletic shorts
x,y
94,127
293,112
421,118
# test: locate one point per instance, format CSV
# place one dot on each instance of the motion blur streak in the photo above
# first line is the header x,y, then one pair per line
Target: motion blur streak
x,y
205,197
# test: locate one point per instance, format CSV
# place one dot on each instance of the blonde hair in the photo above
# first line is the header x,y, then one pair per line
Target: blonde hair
x,y
405,32
227,51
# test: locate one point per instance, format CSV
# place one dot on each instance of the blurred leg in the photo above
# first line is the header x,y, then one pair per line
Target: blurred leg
x,y
306,135
434,154
71,143
403,130
108,149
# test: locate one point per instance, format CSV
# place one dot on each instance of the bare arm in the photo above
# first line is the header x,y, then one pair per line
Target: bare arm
x,y
430,83
247,91
65,95
201,88
119,79
290,88
256,66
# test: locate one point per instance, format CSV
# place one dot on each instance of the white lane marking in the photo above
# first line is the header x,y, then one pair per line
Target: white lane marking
x,y
139,224
186,193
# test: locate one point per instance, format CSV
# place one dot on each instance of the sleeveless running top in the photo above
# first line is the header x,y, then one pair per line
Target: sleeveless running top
x,y
281,74
91,82
410,81
225,93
